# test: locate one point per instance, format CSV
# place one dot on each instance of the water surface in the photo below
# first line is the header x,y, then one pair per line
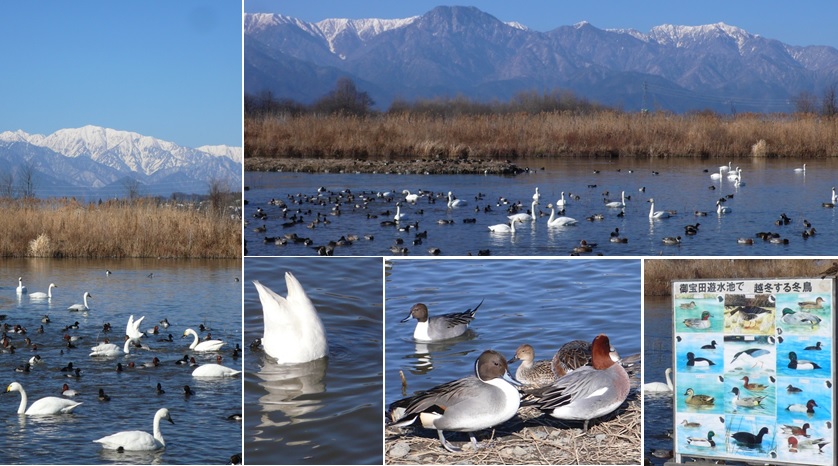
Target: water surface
x,y
771,189
327,411
187,293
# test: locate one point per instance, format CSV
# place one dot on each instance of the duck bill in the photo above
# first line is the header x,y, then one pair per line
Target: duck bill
x,y
513,360
511,379
409,316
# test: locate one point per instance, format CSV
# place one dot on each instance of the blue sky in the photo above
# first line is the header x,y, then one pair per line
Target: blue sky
x,y
797,23
162,68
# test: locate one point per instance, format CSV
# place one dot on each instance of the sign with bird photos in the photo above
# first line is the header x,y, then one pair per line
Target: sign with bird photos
x,y
754,370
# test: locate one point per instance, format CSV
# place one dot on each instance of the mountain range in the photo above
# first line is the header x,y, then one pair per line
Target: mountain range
x,y
453,51
92,161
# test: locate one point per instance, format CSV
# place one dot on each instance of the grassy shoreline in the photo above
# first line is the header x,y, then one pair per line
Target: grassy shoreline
x,y
66,228
468,139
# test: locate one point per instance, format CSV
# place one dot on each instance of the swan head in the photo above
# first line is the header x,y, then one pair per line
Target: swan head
x,y
14,387
163,413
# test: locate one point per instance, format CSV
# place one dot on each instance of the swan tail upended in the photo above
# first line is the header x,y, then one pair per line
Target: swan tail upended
x,y
293,331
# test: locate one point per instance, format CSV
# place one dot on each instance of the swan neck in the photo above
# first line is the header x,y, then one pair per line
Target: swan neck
x,y
157,434
22,408
552,215
652,210
126,348
194,340
669,379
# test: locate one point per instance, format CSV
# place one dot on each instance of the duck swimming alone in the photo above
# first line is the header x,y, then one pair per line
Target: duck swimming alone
x,y
440,327
293,331
701,441
808,408
703,322
532,374
698,400
816,304
473,403
754,387
801,364
589,391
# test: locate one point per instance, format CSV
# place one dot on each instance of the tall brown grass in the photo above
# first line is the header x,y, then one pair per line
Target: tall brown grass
x,y
659,272
145,228
509,136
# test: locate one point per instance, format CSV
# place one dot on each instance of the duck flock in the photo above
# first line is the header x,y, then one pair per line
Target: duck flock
x,y
119,378
582,382
606,214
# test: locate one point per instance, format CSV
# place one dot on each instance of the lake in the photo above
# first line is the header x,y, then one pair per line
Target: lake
x,y
771,189
543,302
187,294
327,411
657,357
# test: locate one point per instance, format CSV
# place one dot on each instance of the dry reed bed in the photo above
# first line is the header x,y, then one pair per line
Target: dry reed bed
x,y
659,272
115,230
610,134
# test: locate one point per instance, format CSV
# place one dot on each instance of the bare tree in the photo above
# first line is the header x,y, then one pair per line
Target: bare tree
x,y
345,99
829,105
806,102
7,185
219,195
133,188
26,180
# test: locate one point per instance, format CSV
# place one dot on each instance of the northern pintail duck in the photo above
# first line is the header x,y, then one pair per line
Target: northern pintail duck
x,y
440,327
293,330
746,401
801,364
484,400
532,374
589,391
701,441
748,439
799,318
693,361
754,387
816,304
698,400
571,356
808,408
703,322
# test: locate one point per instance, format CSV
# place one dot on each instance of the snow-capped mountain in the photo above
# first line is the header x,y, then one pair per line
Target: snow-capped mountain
x,y
96,161
462,50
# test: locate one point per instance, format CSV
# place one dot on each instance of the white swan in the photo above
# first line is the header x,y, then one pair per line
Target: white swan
x,y
20,288
137,440
44,406
738,181
834,196
720,209
657,214
109,349
522,217
214,370
801,169
293,330
81,307
716,176
208,345
412,198
132,329
660,387
726,167
561,202
618,204
399,215
454,202
41,294
733,174
554,221
503,227
536,197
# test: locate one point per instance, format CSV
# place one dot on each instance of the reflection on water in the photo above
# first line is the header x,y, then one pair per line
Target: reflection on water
x,y
285,385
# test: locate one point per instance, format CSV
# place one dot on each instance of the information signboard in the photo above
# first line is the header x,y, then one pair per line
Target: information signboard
x,y
754,370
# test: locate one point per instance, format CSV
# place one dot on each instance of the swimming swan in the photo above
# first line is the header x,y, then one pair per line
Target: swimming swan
x,y
454,202
412,198
618,204
20,288
41,294
44,406
801,169
399,215
137,440
109,349
660,387
524,216
208,345
720,209
554,221
561,202
657,214
503,227
717,176
293,330
81,307
214,370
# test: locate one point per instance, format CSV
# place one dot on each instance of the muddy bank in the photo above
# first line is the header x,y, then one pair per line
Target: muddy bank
x,y
401,167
